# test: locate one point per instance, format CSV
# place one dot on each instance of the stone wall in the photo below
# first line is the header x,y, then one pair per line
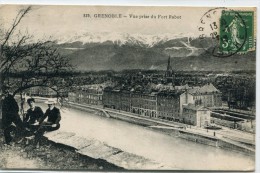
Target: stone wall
x,y
174,130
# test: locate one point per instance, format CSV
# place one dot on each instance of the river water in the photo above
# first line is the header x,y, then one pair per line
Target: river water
x,y
139,140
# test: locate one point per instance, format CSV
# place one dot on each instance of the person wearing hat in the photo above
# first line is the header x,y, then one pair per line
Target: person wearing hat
x,y
53,118
53,122
10,115
33,116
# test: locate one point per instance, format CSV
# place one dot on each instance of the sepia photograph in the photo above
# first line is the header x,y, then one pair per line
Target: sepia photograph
x,y
125,88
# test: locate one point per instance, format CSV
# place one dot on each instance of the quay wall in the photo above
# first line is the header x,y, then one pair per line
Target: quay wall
x,y
171,130
228,145
206,140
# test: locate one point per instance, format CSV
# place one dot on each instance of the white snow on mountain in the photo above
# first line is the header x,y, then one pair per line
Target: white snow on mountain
x,y
122,38
191,48
174,48
194,51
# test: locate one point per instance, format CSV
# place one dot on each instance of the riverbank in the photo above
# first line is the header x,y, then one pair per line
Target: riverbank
x,y
48,155
102,151
199,135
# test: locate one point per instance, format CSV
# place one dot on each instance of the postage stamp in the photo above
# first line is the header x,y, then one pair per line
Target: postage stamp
x,y
226,32
236,31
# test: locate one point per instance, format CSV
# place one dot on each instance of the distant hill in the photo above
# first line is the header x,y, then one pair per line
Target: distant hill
x,y
187,53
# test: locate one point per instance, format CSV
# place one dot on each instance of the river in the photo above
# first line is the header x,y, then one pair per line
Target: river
x,y
139,140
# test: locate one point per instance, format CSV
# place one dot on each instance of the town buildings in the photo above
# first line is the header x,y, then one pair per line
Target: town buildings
x,y
187,105
41,91
88,94
165,100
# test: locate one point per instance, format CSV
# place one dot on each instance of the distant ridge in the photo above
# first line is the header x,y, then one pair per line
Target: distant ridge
x,y
149,52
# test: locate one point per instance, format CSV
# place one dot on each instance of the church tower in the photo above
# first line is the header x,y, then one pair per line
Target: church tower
x,y
169,74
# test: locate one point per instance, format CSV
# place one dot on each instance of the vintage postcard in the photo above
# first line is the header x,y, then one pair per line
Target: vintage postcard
x,y
119,88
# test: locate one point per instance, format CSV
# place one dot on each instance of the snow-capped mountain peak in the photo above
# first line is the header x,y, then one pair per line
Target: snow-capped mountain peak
x,y
121,38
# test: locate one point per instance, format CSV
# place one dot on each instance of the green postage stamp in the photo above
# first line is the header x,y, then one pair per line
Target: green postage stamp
x,y
236,31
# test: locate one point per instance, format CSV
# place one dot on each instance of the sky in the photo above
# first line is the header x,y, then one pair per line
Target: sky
x,y
66,21
69,20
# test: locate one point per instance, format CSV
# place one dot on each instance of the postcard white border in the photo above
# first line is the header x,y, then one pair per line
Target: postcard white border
x,y
196,3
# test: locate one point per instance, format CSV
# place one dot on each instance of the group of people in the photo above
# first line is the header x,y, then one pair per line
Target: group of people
x,y
33,124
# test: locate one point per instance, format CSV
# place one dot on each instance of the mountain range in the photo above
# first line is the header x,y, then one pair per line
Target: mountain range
x,y
108,51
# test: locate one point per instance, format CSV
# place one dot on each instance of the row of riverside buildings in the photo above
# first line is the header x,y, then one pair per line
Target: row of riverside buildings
x,y
189,105
185,104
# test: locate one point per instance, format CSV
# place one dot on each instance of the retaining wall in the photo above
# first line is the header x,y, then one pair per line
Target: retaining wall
x,y
99,150
173,131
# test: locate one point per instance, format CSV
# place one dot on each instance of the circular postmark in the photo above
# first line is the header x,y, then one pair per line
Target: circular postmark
x,y
223,32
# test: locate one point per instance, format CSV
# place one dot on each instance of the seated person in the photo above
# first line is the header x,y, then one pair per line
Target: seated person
x,y
33,116
11,121
52,123
53,120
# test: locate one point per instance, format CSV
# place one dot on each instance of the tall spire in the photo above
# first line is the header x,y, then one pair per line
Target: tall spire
x,y
169,67
168,72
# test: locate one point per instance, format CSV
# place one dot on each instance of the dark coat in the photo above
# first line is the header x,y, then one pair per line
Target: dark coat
x,y
32,116
53,115
9,105
10,111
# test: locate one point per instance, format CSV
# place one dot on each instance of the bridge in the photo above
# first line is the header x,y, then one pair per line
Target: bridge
x,y
97,110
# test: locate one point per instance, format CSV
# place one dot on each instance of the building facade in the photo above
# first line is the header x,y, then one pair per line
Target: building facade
x,y
168,105
207,96
112,98
126,100
144,104
196,115
91,94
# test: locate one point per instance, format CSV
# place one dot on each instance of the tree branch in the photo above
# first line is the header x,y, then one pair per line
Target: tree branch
x,y
16,22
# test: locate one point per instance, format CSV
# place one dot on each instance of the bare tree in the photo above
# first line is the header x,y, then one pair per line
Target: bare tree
x,y
25,63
